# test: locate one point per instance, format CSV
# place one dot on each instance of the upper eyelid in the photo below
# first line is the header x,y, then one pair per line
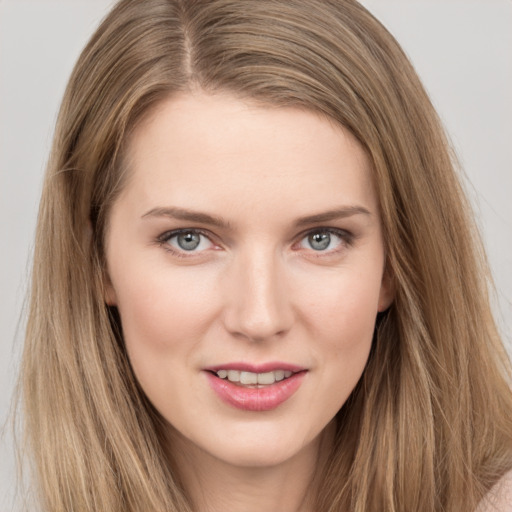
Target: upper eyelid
x,y
166,235
163,241
321,229
346,238
208,233
342,233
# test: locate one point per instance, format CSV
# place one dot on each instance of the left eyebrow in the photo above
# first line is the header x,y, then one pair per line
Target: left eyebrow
x,y
338,213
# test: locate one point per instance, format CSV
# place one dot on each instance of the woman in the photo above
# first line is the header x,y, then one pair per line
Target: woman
x,y
256,281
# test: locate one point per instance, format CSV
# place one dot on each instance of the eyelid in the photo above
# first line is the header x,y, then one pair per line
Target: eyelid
x,y
166,235
343,233
164,238
347,238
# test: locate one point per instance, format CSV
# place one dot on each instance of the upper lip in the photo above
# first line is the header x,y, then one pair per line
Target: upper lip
x,y
256,368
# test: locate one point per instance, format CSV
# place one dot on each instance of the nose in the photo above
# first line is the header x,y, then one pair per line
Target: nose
x,y
258,305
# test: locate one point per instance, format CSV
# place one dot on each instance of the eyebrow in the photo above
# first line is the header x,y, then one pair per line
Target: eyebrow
x,y
187,215
330,215
219,222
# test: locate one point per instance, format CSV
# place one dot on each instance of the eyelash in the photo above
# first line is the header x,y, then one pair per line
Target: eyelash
x,y
164,239
346,240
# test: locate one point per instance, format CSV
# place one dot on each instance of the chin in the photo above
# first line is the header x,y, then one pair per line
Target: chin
x,y
260,445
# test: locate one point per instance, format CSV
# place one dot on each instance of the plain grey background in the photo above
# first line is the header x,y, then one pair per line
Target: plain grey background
x,y
462,49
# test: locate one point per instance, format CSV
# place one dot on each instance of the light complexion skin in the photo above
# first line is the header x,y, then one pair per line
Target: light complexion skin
x,y
246,238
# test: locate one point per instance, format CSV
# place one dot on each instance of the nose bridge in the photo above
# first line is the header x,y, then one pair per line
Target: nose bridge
x,y
258,305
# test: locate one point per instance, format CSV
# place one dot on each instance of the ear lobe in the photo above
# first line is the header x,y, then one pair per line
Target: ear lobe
x,y
387,290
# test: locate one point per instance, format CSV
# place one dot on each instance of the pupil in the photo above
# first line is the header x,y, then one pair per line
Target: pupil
x,y
188,241
319,241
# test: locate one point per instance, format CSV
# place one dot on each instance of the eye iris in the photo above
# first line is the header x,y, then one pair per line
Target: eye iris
x,y
319,241
188,241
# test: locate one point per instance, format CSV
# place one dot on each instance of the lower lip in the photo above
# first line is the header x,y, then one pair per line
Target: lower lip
x,y
256,399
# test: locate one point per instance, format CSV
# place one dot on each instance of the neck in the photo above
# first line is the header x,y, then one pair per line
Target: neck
x,y
214,485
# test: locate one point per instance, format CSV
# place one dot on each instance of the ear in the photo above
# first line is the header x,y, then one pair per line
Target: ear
x,y
109,293
387,290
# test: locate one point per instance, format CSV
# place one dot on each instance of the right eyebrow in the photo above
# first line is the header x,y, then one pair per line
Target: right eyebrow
x,y
187,215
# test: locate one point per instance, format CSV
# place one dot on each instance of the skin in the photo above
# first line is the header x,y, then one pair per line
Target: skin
x,y
254,290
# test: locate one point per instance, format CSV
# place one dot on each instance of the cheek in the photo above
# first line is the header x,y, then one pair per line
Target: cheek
x,y
348,339
164,316
341,321
345,307
163,311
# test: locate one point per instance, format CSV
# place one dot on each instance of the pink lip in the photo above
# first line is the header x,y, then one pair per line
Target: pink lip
x,y
265,398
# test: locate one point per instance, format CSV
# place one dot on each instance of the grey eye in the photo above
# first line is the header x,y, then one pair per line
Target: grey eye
x,y
319,241
188,241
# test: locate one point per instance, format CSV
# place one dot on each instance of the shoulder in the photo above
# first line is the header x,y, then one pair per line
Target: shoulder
x,y
499,498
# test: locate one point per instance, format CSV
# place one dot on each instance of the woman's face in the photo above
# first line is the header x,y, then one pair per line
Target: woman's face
x,y
246,259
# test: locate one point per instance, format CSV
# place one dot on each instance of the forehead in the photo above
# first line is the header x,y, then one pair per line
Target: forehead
x,y
197,148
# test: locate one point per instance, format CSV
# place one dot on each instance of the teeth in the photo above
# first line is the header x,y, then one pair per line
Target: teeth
x,y
233,375
250,378
266,378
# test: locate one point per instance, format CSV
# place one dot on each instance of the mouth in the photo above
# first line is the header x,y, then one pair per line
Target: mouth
x,y
252,379
255,388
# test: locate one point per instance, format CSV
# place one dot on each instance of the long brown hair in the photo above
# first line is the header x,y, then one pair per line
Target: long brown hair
x,y
429,426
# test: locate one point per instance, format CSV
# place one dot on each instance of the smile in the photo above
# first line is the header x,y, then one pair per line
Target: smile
x,y
255,388
251,378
